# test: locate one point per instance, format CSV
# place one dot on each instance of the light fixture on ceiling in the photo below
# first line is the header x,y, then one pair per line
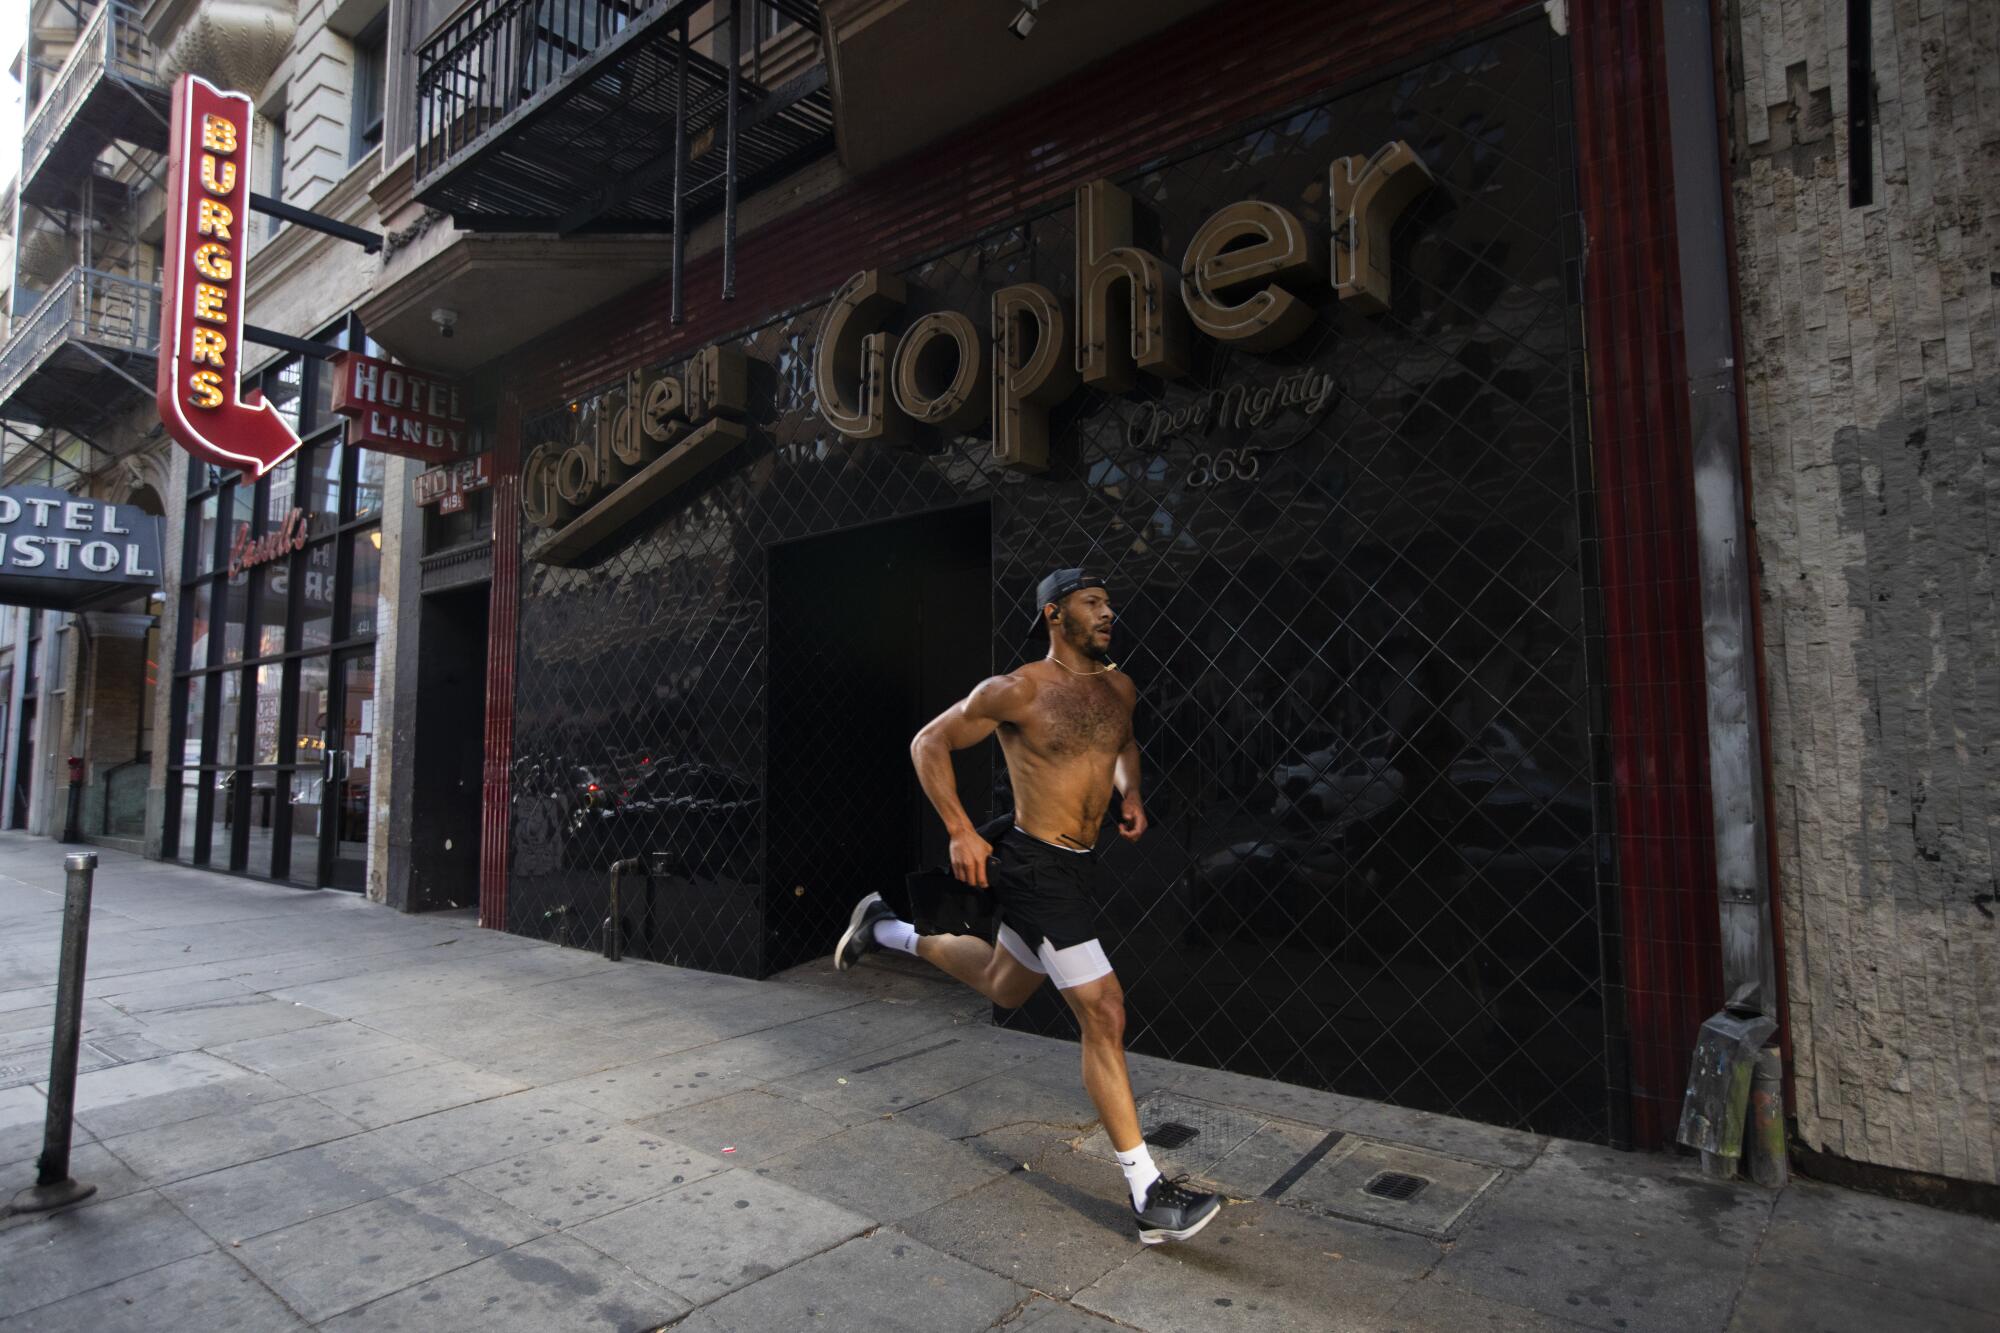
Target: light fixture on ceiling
x,y
1023,23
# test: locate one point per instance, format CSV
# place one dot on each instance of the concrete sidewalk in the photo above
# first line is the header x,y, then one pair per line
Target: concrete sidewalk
x,y
303,1110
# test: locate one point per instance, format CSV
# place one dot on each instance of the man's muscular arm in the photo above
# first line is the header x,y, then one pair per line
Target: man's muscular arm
x,y
1125,772
1125,776
959,727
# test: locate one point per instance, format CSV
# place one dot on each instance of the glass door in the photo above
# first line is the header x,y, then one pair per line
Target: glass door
x,y
350,771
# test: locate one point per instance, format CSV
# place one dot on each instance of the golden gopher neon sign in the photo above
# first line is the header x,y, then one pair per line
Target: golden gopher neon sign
x,y
1248,278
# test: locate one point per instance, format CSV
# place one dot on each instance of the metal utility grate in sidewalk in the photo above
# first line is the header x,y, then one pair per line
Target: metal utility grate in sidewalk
x,y
1186,1134
1396,1186
1410,1189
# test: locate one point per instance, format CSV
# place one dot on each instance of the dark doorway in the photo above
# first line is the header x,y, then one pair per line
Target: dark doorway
x,y
24,764
873,632
447,776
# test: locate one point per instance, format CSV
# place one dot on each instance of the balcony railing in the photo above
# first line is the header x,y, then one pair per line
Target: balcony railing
x,y
112,55
553,114
108,321
498,56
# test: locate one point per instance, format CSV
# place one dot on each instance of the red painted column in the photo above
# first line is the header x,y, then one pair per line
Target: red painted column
x,y
502,624
1652,598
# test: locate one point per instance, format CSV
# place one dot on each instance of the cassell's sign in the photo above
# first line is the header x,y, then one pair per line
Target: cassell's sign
x,y
201,287
247,552
397,410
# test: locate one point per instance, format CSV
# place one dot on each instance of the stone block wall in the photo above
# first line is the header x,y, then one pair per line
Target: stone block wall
x,y
1871,349
317,106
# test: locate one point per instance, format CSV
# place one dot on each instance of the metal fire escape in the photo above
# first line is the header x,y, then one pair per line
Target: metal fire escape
x,y
85,331
572,116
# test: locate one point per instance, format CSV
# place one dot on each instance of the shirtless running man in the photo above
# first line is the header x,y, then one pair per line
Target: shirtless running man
x,y
1065,726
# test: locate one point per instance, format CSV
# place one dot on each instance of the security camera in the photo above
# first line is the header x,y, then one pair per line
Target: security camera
x,y
1024,22
446,319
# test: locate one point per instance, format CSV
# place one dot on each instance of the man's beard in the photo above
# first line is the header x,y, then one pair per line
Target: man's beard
x,y
1085,642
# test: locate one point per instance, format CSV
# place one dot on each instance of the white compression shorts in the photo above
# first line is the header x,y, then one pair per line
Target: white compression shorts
x,y
1069,968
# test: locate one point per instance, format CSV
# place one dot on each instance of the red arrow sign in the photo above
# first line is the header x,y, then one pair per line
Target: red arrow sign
x,y
201,287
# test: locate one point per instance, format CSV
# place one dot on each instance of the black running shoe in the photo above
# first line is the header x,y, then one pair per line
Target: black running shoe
x,y
859,940
1173,1211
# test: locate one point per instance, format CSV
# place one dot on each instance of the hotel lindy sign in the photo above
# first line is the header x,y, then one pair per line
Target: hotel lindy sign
x,y
201,287
398,410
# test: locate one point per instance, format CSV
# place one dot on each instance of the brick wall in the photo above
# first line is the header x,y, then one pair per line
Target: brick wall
x,y
1872,374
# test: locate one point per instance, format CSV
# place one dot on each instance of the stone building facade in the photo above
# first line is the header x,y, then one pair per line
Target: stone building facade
x,y
1871,349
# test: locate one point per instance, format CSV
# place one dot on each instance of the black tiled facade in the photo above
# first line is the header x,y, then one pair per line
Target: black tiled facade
x,y
1365,698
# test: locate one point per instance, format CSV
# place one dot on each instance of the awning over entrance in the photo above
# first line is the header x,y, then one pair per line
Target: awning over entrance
x,y
61,552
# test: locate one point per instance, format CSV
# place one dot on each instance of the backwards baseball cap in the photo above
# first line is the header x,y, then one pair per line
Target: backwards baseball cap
x,y
1060,584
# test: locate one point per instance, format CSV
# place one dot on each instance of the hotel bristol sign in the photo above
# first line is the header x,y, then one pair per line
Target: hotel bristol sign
x,y
65,551
1250,278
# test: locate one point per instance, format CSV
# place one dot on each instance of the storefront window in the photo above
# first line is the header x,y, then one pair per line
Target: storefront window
x,y
228,714
199,611
319,394
234,612
316,581
368,484
365,558
195,696
239,508
321,500
281,488
205,511
306,798
181,795
273,585
222,816
283,388
270,697
257,738
314,681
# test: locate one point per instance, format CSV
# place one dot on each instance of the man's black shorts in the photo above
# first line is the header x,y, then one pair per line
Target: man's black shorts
x,y
1048,907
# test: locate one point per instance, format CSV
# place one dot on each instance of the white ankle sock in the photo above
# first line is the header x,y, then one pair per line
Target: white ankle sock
x,y
1140,1173
898,935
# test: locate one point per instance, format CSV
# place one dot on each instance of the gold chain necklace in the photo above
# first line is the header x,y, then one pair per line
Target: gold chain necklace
x,y
1107,667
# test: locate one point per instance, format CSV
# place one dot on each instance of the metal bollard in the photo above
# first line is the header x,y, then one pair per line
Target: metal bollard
x,y
614,926
53,1186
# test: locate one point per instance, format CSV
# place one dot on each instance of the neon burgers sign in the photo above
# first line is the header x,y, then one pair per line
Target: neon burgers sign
x,y
201,287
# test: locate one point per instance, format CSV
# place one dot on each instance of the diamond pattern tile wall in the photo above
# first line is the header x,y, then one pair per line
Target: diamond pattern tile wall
x,y
1366,688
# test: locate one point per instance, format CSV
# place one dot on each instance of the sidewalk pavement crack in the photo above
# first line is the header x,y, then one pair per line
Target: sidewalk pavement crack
x,y
228,1251
1756,1253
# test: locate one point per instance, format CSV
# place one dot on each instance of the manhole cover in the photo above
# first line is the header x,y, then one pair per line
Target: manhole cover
x,y
1396,1185
1172,1135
